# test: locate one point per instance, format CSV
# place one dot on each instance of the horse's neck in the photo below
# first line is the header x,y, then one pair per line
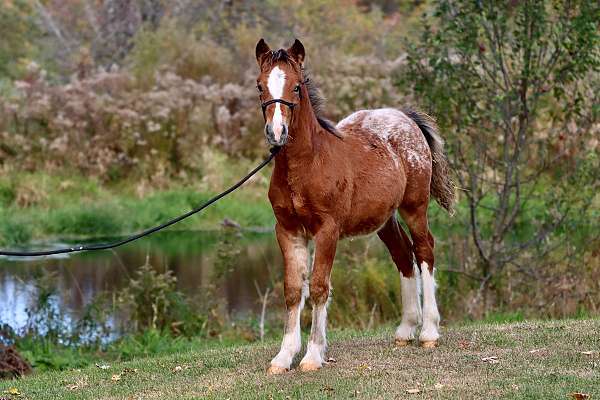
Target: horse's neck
x,y
304,144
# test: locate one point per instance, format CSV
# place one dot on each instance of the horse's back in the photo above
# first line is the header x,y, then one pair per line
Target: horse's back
x,y
397,132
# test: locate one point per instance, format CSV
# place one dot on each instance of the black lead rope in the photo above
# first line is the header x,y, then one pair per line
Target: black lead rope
x,y
106,246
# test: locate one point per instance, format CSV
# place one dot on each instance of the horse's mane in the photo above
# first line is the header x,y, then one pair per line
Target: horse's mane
x,y
317,101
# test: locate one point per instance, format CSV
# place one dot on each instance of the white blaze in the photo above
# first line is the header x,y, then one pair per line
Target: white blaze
x,y
276,84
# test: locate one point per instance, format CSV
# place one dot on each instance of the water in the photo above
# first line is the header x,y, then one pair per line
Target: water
x,y
190,255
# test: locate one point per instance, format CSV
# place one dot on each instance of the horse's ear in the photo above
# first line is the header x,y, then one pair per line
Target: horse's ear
x,y
261,49
297,52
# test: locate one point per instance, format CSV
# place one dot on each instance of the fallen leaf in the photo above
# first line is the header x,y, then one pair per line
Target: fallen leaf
x,y
588,353
13,391
536,350
78,384
331,360
130,370
491,359
177,369
327,389
413,391
104,366
580,396
364,367
116,377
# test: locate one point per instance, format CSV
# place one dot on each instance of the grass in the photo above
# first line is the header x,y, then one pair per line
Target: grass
x,y
38,206
535,360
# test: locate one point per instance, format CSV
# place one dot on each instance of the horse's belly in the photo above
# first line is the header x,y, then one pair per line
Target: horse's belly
x,y
372,208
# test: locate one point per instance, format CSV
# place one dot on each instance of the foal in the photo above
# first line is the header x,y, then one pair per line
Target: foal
x,y
330,182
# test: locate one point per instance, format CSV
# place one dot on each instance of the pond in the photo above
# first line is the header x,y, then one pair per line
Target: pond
x,y
190,255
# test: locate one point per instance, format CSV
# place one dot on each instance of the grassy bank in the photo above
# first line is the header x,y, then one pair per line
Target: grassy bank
x,y
516,360
38,206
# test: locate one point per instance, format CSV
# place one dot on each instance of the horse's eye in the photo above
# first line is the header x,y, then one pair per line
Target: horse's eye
x,y
297,89
260,89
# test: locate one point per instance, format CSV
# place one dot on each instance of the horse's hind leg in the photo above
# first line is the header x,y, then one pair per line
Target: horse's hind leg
x,y
295,257
416,219
399,246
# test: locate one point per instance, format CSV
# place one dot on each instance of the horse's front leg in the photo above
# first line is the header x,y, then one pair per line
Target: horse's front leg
x,y
295,257
325,245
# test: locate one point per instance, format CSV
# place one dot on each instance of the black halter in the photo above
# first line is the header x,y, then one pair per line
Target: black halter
x,y
290,105
269,102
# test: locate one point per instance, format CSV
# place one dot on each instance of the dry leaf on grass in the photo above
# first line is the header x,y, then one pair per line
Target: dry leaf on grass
x,y
413,391
78,384
103,366
536,350
178,368
491,360
130,371
12,391
580,396
587,353
364,367
330,360
328,389
116,377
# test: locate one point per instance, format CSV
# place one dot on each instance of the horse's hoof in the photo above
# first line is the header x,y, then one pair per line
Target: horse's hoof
x,y
275,370
309,366
402,342
429,344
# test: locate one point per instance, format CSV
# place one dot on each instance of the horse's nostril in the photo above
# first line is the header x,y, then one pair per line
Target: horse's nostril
x,y
269,130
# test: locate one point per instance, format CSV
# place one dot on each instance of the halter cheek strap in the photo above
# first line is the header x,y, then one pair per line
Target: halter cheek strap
x,y
290,105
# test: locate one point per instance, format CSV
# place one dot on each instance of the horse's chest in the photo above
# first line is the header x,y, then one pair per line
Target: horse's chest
x,y
301,205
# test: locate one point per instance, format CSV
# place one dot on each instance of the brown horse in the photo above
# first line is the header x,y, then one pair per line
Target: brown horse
x,y
331,182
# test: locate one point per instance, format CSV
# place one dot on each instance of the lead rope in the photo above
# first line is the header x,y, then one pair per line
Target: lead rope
x,y
112,245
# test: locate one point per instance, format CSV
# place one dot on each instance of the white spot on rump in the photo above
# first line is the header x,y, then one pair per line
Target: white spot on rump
x,y
398,132
275,84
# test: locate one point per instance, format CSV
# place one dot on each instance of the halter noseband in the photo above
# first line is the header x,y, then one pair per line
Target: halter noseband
x,y
269,102
290,105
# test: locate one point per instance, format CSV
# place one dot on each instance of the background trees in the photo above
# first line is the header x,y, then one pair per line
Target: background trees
x,y
148,91
515,87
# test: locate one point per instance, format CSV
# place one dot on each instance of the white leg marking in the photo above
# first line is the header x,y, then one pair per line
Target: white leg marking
x,y
292,340
317,344
411,306
431,316
276,83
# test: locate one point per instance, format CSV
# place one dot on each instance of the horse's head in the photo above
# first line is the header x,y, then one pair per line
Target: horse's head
x,y
280,87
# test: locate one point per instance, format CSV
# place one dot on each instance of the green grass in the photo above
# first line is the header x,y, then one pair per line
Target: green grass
x,y
37,206
536,360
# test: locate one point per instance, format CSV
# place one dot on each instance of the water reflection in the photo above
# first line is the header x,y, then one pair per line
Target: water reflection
x,y
190,255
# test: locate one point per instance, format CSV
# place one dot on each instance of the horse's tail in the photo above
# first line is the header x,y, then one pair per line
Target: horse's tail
x,y
442,186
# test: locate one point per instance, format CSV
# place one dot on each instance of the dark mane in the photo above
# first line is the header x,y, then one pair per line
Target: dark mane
x,y
317,101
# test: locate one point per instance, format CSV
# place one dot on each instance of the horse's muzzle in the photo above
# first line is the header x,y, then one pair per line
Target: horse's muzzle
x,y
271,138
